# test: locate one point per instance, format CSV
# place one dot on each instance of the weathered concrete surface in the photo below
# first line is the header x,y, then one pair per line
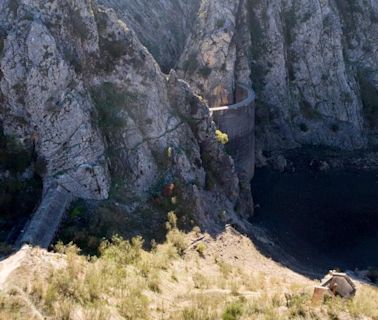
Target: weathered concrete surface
x,y
238,121
40,230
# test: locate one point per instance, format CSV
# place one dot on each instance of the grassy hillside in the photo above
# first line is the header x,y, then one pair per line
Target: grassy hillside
x,y
189,277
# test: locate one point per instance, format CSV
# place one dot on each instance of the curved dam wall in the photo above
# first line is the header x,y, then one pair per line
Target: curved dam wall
x,y
238,121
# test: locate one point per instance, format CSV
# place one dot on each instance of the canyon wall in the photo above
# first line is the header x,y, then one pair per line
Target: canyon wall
x,y
312,64
314,69
86,88
162,26
81,91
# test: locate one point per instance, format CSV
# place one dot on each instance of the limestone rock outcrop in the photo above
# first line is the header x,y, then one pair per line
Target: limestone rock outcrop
x,y
80,89
313,65
86,87
45,104
162,26
215,57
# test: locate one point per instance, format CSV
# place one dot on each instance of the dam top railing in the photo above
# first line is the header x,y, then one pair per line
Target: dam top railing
x,y
251,96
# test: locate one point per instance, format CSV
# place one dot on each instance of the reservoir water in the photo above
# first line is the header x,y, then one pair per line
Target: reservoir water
x,y
323,219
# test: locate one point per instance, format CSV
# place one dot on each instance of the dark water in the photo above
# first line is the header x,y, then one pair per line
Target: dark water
x,y
327,219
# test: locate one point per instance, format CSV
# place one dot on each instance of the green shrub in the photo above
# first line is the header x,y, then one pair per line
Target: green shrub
x,y
77,209
178,240
174,236
13,155
233,311
296,303
122,251
172,221
201,248
221,137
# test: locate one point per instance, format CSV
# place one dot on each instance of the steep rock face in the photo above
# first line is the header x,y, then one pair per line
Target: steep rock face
x,y
79,88
162,26
360,27
313,67
215,56
214,61
46,105
312,63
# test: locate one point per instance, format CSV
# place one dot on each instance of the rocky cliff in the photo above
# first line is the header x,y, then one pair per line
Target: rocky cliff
x,y
162,26
80,90
83,92
314,68
311,63
215,56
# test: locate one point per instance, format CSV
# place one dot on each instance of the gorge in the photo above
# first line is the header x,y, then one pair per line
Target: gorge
x,y
116,101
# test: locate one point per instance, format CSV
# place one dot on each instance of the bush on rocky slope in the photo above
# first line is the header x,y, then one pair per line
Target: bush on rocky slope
x,y
127,282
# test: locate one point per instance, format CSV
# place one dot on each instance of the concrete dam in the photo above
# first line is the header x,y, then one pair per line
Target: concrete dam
x,y
238,122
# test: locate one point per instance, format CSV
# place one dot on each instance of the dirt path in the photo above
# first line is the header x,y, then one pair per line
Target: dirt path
x,y
10,264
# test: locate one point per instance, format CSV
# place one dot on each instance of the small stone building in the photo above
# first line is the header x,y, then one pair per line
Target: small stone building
x,y
340,284
335,284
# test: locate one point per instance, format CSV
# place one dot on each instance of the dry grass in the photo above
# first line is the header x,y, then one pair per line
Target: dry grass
x,y
170,282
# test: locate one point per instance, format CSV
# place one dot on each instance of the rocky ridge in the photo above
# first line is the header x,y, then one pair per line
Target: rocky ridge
x,y
162,26
312,65
81,91
82,88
